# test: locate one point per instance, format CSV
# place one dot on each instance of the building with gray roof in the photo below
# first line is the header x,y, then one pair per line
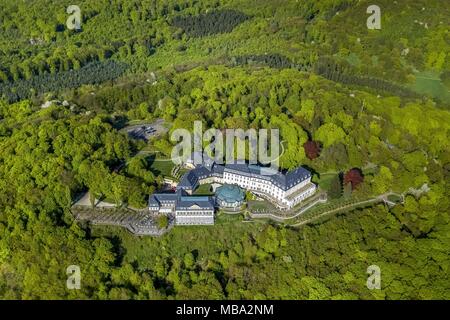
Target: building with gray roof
x,y
188,210
230,196
284,190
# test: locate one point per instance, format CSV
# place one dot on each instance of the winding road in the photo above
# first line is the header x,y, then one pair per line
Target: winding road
x,y
381,198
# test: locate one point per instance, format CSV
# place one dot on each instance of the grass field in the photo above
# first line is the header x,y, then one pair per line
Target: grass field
x,y
325,180
429,83
161,166
204,189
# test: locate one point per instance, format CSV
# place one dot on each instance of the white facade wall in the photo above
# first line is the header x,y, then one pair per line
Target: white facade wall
x,y
265,186
219,180
194,217
165,207
302,196
298,187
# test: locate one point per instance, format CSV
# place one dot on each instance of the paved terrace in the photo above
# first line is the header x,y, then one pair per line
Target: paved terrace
x,y
282,216
269,198
137,222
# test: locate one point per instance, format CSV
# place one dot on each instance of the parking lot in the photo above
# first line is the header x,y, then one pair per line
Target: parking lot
x,y
145,131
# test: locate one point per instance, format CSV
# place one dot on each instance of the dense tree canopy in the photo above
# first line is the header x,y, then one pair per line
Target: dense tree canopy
x,y
342,96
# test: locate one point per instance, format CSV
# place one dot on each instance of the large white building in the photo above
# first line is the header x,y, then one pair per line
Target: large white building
x,y
283,190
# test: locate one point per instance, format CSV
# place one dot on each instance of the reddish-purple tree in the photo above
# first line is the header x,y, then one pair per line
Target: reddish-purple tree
x,y
312,149
353,176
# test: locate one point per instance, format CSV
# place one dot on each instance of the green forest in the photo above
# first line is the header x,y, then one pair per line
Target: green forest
x,y
348,102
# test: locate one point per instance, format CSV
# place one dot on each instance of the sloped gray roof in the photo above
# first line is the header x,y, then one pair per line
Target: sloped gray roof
x,y
283,181
157,198
218,169
181,200
189,181
186,202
